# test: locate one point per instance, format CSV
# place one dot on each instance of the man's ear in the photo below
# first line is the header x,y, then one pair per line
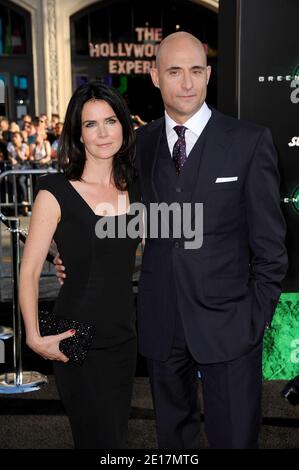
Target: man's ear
x,y
155,76
209,70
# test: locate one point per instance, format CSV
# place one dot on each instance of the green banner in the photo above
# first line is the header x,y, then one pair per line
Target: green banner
x,y
281,341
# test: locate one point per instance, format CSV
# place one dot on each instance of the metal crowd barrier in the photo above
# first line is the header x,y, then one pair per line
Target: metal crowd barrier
x,y
18,381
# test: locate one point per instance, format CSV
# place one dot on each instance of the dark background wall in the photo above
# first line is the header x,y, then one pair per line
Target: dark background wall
x,y
258,58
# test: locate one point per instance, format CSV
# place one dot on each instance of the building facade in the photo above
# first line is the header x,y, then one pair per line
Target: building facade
x,y
49,47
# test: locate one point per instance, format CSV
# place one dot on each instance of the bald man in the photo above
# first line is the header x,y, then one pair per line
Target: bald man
x,y
203,311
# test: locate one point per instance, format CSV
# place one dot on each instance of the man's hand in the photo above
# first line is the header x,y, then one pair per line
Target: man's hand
x,y
60,269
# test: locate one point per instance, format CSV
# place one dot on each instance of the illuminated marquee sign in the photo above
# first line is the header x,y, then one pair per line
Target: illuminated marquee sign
x,y
138,58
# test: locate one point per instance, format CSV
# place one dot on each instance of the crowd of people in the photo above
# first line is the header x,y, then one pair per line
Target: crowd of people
x,y
31,144
34,141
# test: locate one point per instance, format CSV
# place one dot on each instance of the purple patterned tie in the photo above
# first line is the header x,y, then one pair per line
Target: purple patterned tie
x,y
179,153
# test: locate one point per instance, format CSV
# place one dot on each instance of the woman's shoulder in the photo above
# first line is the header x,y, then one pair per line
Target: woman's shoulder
x,y
51,182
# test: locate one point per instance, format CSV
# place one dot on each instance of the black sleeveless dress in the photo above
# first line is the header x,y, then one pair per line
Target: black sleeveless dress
x,y
98,290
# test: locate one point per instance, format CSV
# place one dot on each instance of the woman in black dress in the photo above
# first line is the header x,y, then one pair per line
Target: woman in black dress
x,y
96,155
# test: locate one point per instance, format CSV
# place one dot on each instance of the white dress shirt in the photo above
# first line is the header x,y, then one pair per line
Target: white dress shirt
x,y
195,125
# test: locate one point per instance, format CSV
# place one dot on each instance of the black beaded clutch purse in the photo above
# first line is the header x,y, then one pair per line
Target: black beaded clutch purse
x,y
76,347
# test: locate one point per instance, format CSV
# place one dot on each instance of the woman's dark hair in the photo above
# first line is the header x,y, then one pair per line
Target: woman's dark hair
x,y
71,152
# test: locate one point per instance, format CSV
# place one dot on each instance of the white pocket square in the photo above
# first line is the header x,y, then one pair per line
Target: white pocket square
x,y
226,179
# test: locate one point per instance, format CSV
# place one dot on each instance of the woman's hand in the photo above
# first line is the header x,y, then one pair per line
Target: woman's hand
x,y
48,346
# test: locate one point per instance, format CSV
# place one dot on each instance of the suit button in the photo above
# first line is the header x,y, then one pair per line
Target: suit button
x,y
178,190
176,244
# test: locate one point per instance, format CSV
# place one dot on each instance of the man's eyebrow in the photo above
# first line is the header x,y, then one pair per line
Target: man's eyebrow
x,y
199,67
176,67
173,67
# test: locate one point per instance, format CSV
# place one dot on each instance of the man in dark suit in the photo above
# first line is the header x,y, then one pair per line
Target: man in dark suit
x,y
204,311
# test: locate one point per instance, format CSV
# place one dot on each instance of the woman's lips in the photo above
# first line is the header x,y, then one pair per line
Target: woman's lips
x,y
104,145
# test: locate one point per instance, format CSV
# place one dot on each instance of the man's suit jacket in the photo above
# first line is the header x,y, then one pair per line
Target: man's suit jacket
x,y
227,290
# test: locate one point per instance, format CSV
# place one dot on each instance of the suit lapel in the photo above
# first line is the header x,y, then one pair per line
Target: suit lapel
x,y
211,158
152,152
213,155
